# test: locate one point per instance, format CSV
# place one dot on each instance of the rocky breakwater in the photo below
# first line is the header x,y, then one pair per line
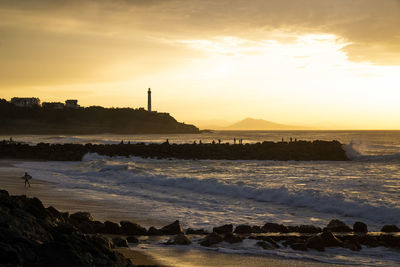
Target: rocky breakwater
x,y
298,150
32,235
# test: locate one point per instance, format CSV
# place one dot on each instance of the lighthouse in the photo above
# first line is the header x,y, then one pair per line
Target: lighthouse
x,y
149,100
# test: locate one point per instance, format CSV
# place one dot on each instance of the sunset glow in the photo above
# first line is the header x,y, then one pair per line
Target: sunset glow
x,y
291,70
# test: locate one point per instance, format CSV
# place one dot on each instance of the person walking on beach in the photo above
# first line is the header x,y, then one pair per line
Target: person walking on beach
x,y
27,177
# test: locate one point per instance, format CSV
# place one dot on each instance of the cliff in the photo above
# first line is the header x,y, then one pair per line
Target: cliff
x,y
90,120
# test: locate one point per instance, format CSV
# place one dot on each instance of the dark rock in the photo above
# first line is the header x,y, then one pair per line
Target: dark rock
x,y
172,229
4,194
292,240
31,235
352,244
111,228
275,228
120,242
154,231
256,229
80,217
299,246
316,242
65,228
130,228
360,227
191,231
390,241
102,241
224,229
132,239
337,226
330,240
243,229
211,239
9,256
390,229
264,245
308,229
368,240
232,238
267,239
179,239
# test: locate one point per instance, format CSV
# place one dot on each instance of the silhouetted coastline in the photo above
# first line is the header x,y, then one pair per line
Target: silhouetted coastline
x,y
299,150
87,120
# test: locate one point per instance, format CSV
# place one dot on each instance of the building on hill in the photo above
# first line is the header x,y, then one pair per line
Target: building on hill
x,y
25,102
71,103
53,105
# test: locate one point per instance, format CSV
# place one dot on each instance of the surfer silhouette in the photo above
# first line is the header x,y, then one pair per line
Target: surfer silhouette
x,y
27,177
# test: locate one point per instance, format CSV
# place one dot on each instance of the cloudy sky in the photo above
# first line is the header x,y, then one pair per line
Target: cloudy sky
x,y
304,62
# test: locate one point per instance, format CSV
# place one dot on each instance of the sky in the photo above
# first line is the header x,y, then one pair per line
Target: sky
x,y
326,64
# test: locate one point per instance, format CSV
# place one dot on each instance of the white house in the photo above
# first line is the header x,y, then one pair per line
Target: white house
x,y
25,102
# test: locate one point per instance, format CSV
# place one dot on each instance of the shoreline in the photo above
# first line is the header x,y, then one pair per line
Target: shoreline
x,y
48,193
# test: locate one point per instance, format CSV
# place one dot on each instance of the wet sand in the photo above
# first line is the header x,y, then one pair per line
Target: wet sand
x,y
50,195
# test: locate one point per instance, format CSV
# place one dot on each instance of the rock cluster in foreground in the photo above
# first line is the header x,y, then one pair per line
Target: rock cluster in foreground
x,y
32,235
298,150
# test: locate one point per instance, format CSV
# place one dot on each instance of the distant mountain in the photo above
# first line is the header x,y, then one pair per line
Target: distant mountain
x,y
251,124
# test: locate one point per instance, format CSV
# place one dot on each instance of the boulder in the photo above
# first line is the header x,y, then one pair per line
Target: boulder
x,y
330,240
390,241
80,217
154,231
130,228
390,229
179,239
256,229
172,229
275,228
368,240
308,229
224,229
111,228
267,239
360,227
316,242
211,239
337,226
232,238
243,229
90,227
102,241
191,231
120,242
352,244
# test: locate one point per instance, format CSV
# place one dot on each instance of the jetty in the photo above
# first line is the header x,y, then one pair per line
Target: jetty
x,y
282,151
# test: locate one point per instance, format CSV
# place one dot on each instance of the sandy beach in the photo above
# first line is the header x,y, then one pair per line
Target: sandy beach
x,y
166,256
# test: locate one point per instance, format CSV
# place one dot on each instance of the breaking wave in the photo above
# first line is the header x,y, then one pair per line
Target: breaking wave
x,y
355,151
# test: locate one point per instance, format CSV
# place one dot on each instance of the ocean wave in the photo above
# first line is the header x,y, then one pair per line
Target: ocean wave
x,y
354,151
318,200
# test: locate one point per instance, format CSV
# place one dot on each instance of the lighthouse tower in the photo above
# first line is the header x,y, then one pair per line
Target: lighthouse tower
x,y
149,100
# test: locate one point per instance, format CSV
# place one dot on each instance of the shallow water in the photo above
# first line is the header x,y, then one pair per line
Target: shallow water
x,y
207,193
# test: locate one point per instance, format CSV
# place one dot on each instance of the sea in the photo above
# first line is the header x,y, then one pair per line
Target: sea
x,y
208,193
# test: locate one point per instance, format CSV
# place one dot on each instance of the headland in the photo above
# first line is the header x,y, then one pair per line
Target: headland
x,y
58,119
